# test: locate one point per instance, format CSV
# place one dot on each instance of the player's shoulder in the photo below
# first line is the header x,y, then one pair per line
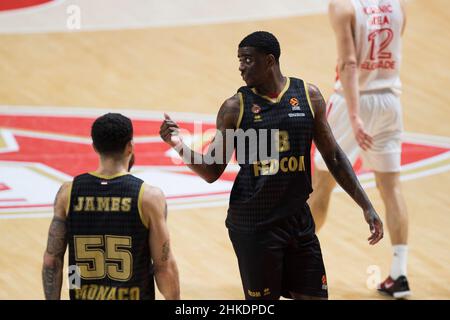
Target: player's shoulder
x,y
64,190
62,199
153,206
340,8
318,103
313,91
152,193
229,112
232,102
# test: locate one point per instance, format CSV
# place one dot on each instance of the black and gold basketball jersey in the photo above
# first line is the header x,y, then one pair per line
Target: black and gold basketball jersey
x,y
108,240
268,187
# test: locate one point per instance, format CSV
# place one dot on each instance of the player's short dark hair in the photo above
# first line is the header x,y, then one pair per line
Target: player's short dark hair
x,y
264,42
110,133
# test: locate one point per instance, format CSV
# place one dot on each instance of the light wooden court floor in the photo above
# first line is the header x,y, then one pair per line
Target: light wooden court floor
x,y
195,68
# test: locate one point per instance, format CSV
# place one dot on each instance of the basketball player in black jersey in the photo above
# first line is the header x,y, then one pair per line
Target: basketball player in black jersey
x,y
269,221
114,225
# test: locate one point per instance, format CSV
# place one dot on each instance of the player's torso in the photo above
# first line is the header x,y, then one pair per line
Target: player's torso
x,y
377,33
275,168
108,242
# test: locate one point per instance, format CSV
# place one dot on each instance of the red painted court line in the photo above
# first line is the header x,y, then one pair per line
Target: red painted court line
x,y
13,200
27,206
19,4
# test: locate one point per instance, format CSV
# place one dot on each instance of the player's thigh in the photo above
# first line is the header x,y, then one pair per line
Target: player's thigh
x,y
384,121
304,273
260,264
339,121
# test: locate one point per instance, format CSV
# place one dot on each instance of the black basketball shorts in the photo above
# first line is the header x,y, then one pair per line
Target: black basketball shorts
x,y
283,259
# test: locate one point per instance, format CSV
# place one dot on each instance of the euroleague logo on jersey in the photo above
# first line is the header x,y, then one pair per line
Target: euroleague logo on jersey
x,y
294,102
7,5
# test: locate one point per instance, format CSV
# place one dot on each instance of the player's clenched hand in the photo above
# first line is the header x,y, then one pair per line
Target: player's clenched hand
x,y
362,137
375,225
169,131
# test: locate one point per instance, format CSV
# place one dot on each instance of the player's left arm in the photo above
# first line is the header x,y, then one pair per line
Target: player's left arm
x,y
52,268
341,14
339,166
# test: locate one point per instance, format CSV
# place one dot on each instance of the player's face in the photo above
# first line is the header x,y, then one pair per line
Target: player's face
x,y
252,65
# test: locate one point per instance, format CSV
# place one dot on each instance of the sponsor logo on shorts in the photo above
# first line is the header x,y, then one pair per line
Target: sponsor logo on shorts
x,y
254,294
324,282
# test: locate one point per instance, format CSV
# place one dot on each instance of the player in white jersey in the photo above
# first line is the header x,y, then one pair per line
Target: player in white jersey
x,y
365,115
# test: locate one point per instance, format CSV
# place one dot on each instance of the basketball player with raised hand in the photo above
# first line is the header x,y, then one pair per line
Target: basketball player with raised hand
x,y
114,225
365,115
269,221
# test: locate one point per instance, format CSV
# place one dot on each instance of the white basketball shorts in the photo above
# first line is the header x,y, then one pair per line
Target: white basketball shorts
x,y
381,113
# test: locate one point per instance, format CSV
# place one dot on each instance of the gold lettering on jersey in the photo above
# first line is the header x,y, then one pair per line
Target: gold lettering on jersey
x,y
135,293
126,204
282,140
112,294
273,166
115,204
103,204
102,293
79,205
92,292
99,292
89,204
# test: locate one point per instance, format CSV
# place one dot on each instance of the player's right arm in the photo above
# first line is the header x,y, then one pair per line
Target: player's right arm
x,y
154,210
341,14
227,118
52,268
339,166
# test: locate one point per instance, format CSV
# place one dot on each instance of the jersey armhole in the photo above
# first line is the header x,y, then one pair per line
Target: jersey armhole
x,y
68,199
141,194
308,98
241,109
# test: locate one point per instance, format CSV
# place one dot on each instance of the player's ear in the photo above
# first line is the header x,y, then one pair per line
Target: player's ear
x,y
130,147
271,61
131,163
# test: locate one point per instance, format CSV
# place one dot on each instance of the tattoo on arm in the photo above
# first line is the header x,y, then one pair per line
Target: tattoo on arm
x,y
165,251
52,280
335,159
54,255
56,244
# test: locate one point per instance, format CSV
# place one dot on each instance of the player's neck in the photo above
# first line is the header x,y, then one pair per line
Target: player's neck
x,y
111,167
273,85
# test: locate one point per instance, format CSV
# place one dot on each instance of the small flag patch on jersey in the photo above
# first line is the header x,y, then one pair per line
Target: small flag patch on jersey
x,y
256,109
104,183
